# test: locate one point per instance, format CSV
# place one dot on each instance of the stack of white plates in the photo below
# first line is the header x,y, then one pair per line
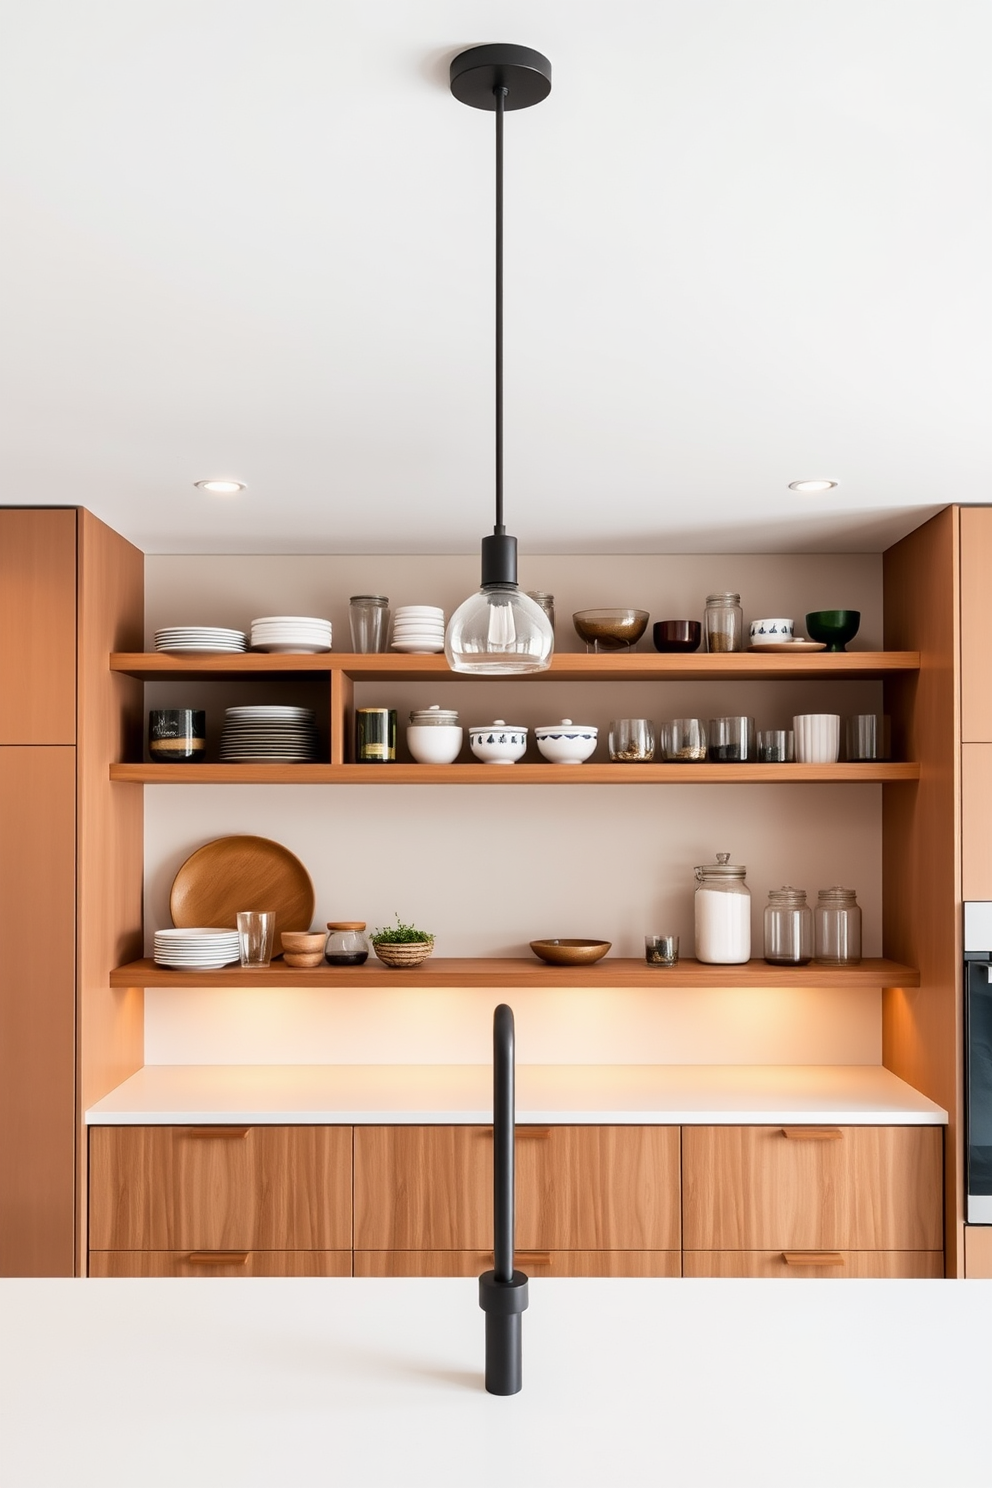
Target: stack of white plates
x,y
289,633
196,950
272,733
418,629
195,640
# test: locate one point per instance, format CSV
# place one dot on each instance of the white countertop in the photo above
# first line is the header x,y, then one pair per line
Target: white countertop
x,y
378,1384
666,1094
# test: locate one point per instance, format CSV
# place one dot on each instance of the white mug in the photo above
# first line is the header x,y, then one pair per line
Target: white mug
x,y
817,738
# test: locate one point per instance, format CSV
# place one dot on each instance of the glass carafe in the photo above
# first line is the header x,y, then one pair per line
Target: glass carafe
x,y
788,928
723,913
347,944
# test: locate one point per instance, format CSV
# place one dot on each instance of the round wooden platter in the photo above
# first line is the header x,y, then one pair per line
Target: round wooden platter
x,y
238,873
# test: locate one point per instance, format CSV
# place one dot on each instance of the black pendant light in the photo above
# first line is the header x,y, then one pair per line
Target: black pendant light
x,y
499,631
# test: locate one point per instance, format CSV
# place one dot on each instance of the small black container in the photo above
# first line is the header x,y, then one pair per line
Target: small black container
x,y
177,735
677,635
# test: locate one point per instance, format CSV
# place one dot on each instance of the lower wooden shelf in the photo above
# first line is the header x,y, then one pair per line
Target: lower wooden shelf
x,y
519,971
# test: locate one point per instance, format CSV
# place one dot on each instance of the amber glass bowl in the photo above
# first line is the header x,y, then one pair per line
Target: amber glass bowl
x,y
610,630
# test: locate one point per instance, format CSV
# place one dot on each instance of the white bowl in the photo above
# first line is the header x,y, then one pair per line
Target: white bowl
x,y
498,743
434,743
566,743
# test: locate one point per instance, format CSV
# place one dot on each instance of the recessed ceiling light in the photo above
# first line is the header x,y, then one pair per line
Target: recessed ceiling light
x,y
812,485
220,487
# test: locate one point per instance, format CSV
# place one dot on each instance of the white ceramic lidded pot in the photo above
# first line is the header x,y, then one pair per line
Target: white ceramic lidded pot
x,y
567,743
723,913
498,743
434,735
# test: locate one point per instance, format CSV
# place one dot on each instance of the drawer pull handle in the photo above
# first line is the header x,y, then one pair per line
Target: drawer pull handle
x,y
812,1258
533,1257
812,1133
217,1131
522,1131
217,1257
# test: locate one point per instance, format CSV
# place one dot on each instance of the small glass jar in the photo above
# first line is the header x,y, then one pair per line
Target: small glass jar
x,y
731,740
347,944
788,928
776,746
722,913
546,601
723,622
177,735
837,927
683,741
375,736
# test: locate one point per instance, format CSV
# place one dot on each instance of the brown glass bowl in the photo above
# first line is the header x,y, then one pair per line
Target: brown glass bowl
x,y
677,635
610,630
570,952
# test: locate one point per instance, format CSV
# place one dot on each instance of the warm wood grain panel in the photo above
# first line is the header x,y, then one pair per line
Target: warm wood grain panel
x,y
38,625
578,1188
922,1037
204,1188
978,1252
976,821
256,1263
527,774
342,718
37,1010
520,971
976,576
544,1263
751,1188
872,1265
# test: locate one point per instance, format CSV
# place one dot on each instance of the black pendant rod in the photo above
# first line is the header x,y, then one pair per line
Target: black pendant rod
x,y
504,1117
500,95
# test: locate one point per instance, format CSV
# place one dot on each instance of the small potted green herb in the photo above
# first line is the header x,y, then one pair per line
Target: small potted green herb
x,y
402,945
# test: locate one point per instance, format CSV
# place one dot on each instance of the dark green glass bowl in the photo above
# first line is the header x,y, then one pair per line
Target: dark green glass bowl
x,y
834,627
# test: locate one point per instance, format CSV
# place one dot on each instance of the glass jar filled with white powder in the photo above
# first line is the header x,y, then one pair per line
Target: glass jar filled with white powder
x,y
723,913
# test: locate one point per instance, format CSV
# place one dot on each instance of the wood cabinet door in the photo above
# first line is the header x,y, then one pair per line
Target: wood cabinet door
x,y
423,1187
534,1263
37,1011
860,1265
978,1252
38,625
220,1188
220,1263
807,1188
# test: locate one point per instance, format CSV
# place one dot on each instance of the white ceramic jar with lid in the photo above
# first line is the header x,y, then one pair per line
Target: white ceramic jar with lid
x,y
567,743
498,743
722,913
434,735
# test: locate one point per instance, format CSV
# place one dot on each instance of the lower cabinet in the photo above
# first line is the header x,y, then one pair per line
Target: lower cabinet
x,y
220,1263
534,1262
822,1265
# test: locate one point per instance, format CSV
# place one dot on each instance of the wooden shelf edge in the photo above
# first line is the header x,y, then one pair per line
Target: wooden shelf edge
x,y
466,972
526,774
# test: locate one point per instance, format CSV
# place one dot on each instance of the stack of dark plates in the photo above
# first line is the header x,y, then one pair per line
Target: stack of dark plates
x,y
270,734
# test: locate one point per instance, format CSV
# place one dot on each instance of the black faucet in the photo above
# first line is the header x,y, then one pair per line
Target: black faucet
x,y
503,1291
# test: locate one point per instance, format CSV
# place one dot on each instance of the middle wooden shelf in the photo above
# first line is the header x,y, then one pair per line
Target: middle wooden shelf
x,y
479,774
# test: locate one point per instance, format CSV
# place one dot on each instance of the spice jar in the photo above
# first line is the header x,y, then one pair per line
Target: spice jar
x,y
788,928
837,927
632,740
722,913
375,735
723,622
347,944
546,601
683,740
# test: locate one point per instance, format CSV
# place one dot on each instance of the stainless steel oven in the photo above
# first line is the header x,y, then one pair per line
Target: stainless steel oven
x,y
978,1057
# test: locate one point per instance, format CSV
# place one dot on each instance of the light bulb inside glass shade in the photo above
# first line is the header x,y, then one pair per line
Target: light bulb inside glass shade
x,y
499,631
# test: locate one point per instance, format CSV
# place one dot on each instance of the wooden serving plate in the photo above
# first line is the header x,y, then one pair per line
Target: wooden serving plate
x,y
236,873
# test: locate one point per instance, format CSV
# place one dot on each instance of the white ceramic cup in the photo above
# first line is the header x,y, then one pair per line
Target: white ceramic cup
x,y
763,631
817,738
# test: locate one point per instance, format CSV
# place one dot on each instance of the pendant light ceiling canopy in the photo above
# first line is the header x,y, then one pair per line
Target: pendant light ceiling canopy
x,y
498,631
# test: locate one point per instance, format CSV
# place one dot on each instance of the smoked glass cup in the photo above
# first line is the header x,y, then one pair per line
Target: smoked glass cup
x,y
661,950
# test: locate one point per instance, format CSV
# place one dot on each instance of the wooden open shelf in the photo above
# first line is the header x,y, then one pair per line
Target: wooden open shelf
x,y
614,971
637,666
480,774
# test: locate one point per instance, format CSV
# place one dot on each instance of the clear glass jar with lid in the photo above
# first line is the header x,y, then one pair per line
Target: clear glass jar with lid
x,y
722,913
788,927
837,927
723,622
347,944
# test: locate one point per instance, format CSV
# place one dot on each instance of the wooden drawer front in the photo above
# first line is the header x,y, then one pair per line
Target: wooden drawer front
x,y
870,1265
429,1188
220,1263
220,1188
535,1263
806,1188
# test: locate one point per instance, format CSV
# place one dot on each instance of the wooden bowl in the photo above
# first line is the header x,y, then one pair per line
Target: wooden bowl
x,y
412,953
570,952
303,958
303,942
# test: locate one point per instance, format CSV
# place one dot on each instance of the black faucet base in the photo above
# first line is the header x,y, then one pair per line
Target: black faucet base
x,y
503,1302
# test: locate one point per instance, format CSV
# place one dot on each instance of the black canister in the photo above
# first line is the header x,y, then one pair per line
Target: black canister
x,y
375,736
177,735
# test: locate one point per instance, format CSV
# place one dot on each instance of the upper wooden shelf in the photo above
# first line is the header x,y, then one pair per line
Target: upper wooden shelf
x,y
565,666
480,774
614,971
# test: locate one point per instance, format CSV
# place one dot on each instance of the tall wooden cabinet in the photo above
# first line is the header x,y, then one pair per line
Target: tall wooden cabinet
x,y
70,866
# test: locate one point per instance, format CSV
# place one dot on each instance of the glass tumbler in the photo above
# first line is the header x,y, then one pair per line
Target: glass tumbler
x,y
256,933
837,927
776,746
369,617
866,737
632,740
731,740
788,928
683,740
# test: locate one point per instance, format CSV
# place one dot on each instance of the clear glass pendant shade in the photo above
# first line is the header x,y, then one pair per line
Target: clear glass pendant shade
x,y
499,631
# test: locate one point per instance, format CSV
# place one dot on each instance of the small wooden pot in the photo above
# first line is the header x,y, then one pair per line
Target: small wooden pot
x,y
303,958
412,953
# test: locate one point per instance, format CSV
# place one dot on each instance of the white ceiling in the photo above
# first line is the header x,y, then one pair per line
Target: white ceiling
x,y
748,241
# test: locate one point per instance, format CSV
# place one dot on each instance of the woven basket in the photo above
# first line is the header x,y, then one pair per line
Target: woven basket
x,y
409,954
